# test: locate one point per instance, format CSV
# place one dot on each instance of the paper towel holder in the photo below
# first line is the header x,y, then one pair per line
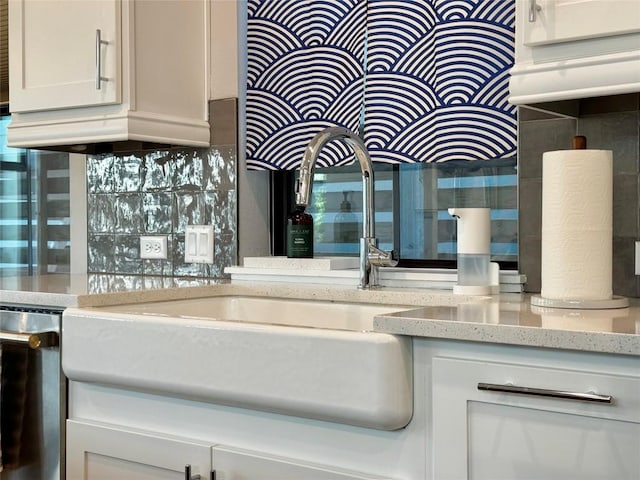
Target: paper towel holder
x,y
579,142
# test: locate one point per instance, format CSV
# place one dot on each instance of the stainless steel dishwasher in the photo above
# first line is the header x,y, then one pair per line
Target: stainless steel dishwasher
x,y
32,395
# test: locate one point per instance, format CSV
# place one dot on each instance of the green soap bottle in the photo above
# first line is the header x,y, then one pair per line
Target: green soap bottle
x,y
300,234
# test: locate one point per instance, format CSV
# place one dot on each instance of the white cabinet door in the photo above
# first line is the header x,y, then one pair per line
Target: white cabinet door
x,y
235,464
55,57
555,21
492,435
101,452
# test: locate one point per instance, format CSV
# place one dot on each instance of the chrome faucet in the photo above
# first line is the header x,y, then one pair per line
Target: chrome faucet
x,y
371,257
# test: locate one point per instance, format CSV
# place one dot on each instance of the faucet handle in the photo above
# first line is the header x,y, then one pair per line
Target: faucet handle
x,y
382,258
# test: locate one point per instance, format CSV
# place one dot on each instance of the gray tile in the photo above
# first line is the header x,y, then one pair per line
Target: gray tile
x,y
617,132
128,213
158,212
612,103
221,208
100,249
189,208
127,173
127,283
158,172
530,248
537,137
100,213
126,254
100,173
180,268
189,169
530,207
220,168
225,255
625,205
223,117
624,278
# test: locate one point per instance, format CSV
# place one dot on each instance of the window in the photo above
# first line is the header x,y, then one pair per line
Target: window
x,y
411,203
34,209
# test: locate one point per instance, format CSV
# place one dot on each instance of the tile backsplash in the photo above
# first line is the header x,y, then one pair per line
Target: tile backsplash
x,y
160,193
609,123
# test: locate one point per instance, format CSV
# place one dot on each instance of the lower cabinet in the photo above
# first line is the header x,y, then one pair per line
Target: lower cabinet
x,y
234,464
108,452
499,421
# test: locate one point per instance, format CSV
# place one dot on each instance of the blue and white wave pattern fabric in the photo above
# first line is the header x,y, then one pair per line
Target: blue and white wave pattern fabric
x,y
423,80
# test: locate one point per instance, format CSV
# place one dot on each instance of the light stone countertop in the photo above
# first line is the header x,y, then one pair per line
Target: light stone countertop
x,y
505,319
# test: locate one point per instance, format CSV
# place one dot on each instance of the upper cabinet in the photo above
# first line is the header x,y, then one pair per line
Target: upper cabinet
x,y
568,49
84,75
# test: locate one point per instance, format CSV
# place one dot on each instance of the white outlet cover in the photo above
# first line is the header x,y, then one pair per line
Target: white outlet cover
x,y
198,246
153,246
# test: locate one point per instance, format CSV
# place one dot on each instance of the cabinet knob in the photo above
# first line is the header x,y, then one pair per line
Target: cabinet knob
x,y
187,473
534,8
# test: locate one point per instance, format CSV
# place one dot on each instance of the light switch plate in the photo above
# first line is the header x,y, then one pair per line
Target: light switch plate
x,y
198,242
153,246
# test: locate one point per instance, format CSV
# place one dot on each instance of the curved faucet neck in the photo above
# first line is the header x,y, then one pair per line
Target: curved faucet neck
x,y
307,166
371,257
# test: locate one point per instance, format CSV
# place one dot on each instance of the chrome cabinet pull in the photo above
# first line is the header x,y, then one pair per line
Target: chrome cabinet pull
x,y
33,340
534,8
541,392
187,473
99,43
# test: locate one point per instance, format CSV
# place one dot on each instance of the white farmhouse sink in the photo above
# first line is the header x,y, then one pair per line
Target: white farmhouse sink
x,y
250,352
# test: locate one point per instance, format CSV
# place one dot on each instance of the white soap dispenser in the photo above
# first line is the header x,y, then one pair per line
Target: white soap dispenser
x,y
476,274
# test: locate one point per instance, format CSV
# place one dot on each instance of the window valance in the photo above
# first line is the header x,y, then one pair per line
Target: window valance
x,y
419,80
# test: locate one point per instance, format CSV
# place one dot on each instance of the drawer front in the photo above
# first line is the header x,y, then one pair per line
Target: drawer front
x,y
623,390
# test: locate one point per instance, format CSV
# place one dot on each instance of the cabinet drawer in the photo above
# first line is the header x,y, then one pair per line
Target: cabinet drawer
x,y
489,435
467,374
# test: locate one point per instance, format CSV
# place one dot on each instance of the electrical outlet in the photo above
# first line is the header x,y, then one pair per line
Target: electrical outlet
x,y
153,246
198,246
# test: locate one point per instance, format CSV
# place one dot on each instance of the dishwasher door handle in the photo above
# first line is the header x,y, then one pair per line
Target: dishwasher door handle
x,y
33,340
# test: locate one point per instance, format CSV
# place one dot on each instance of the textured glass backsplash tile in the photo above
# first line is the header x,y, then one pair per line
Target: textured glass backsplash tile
x,y
157,212
159,171
128,209
100,173
100,253
188,209
180,268
223,214
225,252
126,254
189,169
160,193
101,217
127,173
220,168
99,283
124,283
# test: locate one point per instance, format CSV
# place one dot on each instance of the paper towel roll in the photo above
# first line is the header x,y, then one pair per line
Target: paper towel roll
x,y
577,213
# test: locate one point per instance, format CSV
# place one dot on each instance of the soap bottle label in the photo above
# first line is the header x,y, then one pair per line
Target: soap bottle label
x,y
299,241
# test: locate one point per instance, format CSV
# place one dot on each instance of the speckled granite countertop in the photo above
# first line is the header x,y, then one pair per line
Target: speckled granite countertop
x,y
92,290
505,318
